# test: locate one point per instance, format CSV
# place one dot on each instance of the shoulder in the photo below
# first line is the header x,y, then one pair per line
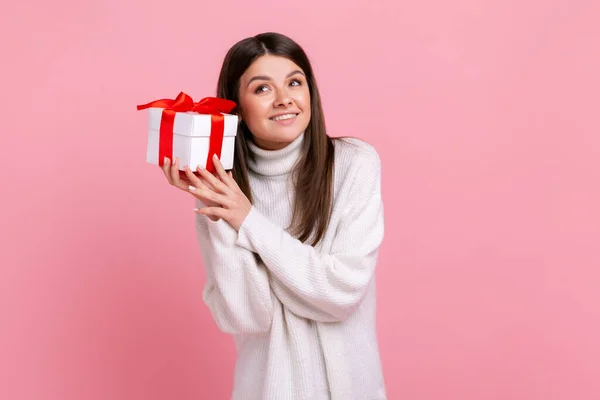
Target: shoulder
x,y
357,170
354,155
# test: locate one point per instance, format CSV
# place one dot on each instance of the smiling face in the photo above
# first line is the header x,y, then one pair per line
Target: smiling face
x,y
274,99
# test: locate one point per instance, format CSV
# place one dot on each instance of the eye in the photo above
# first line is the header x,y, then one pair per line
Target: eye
x,y
261,89
296,82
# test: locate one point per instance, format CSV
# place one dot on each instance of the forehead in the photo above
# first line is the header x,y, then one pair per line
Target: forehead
x,y
276,67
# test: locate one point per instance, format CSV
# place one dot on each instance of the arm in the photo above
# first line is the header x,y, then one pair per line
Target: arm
x,y
237,290
325,287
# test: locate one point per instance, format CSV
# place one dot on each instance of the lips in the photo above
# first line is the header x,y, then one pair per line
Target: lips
x,y
284,117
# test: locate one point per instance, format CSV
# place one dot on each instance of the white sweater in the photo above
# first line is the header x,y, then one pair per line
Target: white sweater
x,y
303,317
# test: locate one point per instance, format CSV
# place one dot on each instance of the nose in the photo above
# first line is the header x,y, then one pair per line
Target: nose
x,y
282,98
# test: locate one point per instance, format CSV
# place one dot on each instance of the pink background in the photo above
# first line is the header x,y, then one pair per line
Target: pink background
x,y
486,116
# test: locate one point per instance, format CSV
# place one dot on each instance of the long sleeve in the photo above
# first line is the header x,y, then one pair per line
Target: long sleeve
x,y
326,287
237,290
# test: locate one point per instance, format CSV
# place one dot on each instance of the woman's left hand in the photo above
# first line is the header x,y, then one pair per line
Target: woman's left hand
x,y
232,204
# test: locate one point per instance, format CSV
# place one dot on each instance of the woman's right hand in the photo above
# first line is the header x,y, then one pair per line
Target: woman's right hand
x,y
183,180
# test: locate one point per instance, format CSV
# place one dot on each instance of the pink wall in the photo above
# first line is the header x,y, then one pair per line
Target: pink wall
x,y
486,115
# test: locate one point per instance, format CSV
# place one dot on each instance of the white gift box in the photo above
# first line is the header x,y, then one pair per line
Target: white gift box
x,y
191,138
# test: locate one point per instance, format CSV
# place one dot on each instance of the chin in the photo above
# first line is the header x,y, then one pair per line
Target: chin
x,y
289,137
285,133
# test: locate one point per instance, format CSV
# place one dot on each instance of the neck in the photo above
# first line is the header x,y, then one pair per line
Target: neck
x,y
275,162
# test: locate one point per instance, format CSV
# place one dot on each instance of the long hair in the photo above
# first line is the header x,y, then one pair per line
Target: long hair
x,y
313,178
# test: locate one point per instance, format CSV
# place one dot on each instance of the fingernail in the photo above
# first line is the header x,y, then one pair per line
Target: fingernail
x,y
215,157
195,210
193,189
166,160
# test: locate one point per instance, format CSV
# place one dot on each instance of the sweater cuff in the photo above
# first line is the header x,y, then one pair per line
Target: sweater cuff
x,y
250,228
220,231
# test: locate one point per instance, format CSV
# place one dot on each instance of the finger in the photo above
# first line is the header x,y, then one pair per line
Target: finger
x,y
175,175
221,173
193,179
207,184
212,212
203,180
209,196
233,183
214,181
165,169
174,172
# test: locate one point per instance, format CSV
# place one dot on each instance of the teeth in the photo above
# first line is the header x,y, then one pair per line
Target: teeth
x,y
282,117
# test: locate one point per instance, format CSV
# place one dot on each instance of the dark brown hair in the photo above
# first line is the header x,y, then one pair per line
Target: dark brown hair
x,y
314,176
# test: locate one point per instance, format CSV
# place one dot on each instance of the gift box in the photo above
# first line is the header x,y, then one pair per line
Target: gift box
x,y
192,132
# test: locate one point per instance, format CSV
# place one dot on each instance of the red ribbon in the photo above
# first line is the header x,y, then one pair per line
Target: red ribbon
x,y
213,106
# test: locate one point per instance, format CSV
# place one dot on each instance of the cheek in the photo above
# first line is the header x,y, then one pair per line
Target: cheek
x,y
305,104
305,100
254,111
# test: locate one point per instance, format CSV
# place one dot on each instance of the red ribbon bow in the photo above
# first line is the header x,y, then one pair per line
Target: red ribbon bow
x,y
214,106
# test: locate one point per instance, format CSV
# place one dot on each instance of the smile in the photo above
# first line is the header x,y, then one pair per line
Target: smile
x,y
284,117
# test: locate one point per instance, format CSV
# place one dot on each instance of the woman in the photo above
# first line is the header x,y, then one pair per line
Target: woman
x,y
290,237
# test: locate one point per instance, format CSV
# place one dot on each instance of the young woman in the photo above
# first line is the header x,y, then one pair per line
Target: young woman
x,y
290,237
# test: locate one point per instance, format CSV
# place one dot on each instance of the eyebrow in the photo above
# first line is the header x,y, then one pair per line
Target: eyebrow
x,y
268,78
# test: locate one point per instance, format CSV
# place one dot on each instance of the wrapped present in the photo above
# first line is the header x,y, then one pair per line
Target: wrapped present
x,y
192,132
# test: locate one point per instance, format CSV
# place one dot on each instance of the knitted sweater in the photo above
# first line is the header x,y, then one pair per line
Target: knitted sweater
x,y
302,317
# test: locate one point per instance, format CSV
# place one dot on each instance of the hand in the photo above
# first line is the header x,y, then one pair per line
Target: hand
x,y
182,180
229,202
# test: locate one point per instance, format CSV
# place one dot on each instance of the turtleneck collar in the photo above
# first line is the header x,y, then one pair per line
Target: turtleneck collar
x,y
275,162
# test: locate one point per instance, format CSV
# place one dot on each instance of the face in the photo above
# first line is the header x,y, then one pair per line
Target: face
x,y
275,101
